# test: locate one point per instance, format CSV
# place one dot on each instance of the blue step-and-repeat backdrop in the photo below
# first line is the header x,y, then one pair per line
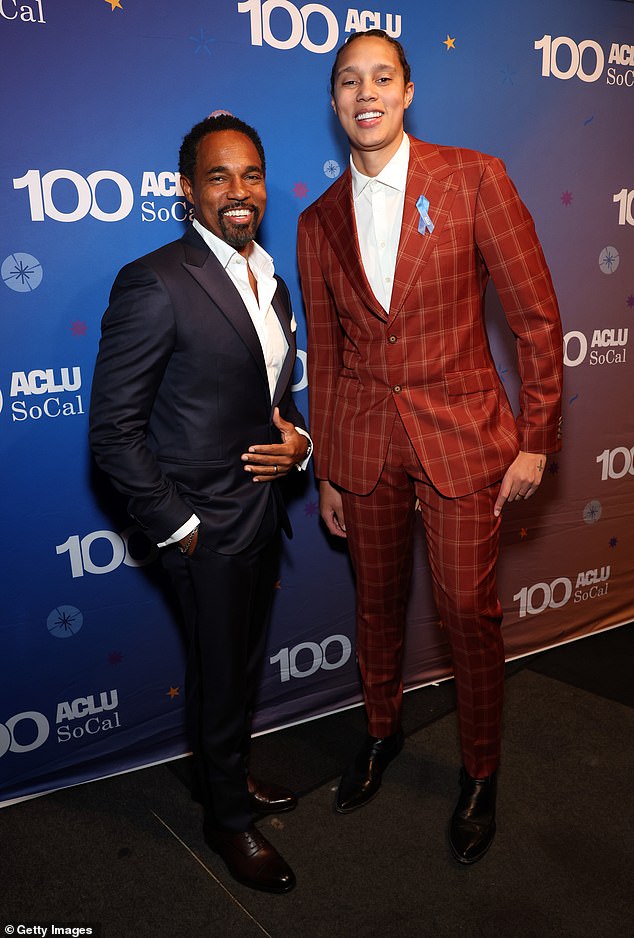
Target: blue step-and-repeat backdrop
x,y
96,97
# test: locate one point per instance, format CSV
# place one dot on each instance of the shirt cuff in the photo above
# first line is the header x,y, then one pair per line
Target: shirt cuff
x,y
302,465
182,532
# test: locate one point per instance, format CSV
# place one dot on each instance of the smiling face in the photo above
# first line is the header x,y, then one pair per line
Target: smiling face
x,y
370,98
228,191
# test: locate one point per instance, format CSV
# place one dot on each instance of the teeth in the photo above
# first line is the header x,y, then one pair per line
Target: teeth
x,y
238,213
368,115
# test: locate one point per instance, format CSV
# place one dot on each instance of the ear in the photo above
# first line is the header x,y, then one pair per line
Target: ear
x,y
333,104
409,94
187,188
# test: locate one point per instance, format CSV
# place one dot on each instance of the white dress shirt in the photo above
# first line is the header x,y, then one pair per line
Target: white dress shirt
x,y
378,211
263,316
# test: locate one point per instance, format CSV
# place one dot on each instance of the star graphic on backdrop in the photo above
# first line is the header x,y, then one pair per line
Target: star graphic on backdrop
x,y
566,198
630,301
609,260
553,467
202,42
173,692
115,657
613,541
523,533
114,5
78,328
507,75
300,190
311,509
449,42
277,585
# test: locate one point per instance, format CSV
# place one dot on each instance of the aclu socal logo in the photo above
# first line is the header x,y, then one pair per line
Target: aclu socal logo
x,y
43,394
89,716
588,585
23,12
563,58
104,195
284,25
604,347
75,719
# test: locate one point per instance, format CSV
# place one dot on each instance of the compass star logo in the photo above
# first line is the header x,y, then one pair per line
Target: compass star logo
x,y
592,512
609,260
64,621
22,272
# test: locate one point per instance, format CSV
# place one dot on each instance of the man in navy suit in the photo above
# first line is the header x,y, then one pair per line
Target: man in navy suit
x,y
192,418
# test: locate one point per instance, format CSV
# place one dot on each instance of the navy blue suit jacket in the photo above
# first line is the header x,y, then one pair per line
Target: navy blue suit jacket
x,y
180,391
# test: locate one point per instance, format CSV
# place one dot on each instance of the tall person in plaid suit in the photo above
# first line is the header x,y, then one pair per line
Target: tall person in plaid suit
x,y
407,407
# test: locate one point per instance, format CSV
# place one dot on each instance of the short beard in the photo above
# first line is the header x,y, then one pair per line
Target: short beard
x,y
239,236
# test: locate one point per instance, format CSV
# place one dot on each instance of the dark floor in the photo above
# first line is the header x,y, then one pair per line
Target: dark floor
x,y
127,853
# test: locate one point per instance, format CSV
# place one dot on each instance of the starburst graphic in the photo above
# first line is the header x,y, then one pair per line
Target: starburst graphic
x,y
449,42
64,621
523,533
173,692
332,169
592,512
566,198
115,657
507,75
630,301
300,190
277,585
613,542
22,272
202,42
553,467
609,260
114,5
78,328
311,509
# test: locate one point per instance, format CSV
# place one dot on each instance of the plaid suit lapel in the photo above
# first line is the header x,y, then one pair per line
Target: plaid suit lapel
x,y
336,214
429,175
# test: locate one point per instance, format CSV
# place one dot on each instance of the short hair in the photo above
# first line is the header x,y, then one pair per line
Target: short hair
x,y
379,34
210,125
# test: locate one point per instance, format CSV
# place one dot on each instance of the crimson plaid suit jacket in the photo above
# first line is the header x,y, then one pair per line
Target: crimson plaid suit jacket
x,y
430,355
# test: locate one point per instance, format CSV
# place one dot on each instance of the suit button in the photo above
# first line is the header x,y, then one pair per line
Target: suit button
x,y
392,339
397,389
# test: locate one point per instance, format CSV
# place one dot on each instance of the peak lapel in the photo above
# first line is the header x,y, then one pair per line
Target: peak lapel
x,y
203,265
431,176
336,214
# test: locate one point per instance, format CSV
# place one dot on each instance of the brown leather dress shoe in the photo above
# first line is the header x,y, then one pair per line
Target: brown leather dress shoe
x,y
269,799
362,780
472,827
251,859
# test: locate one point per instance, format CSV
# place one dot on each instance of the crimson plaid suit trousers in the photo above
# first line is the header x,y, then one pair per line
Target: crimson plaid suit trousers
x,y
462,541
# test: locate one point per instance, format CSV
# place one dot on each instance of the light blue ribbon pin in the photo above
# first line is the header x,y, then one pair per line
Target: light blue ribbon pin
x,y
425,223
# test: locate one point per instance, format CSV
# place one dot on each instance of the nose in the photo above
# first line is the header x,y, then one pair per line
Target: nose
x,y
366,91
237,190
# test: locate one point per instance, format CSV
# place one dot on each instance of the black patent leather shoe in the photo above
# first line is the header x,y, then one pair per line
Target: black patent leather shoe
x,y
269,799
251,859
472,827
362,780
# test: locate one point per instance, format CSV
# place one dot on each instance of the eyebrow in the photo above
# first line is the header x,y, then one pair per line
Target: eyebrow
x,y
373,68
225,169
